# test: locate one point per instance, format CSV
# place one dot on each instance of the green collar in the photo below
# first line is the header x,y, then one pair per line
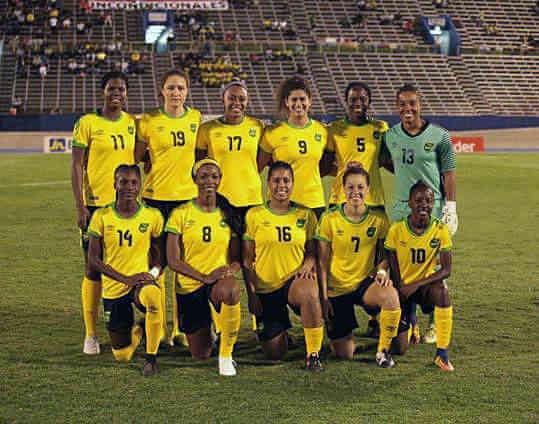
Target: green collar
x,y
197,206
139,208
164,112
290,210
412,232
299,128
99,113
361,221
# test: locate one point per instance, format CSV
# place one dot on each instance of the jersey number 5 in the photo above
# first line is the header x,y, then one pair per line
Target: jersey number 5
x,y
360,144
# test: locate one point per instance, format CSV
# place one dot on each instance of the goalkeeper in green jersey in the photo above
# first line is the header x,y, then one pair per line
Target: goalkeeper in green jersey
x,y
421,150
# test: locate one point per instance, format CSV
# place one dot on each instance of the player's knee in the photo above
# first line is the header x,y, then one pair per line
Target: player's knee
x,y
309,292
229,292
390,299
123,354
440,294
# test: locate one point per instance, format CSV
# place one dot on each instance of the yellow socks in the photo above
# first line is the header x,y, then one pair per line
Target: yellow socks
x,y
164,329
175,311
389,325
125,354
216,316
313,339
91,295
443,321
254,327
230,318
150,297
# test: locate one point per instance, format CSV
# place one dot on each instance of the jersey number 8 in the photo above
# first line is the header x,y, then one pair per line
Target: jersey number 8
x,y
206,234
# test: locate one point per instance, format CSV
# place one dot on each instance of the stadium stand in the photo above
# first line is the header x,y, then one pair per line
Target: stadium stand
x,y
322,40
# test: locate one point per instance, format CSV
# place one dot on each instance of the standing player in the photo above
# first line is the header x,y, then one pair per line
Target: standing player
x,y
123,246
351,238
169,135
414,243
299,141
422,151
102,140
232,140
280,260
357,140
203,249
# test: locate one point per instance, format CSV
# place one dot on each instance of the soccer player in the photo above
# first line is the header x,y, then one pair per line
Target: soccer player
x,y
169,135
123,247
102,140
280,260
233,140
203,249
357,140
299,141
354,271
422,151
413,245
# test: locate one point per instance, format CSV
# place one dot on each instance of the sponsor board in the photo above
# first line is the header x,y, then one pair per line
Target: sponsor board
x,y
57,144
160,4
468,144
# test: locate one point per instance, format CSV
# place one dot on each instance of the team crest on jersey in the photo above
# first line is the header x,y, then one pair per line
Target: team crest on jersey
x,y
300,223
428,147
131,130
434,243
376,135
143,227
318,137
252,132
371,231
193,127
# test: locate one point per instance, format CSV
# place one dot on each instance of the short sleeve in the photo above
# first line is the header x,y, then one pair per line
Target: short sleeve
x,y
446,154
391,242
311,225
384,226
142,128
202,138
249,226
96,225
157,229
175,222
265,144
445,238
81,134
323,231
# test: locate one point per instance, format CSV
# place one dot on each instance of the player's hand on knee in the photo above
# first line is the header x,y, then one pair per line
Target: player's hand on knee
x,y
216,275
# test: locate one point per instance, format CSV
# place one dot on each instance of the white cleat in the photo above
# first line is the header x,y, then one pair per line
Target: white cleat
x,y
430,335
227,367
91,346
384,359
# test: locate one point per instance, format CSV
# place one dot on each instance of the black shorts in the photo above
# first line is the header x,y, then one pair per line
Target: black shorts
x,y
165,206
418,298
194,310
119,313
318,212
84,237
274,319
344,321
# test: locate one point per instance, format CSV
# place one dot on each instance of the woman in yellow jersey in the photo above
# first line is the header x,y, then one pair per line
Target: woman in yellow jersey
x,y
102,140
299,141
356,141
203,249
280,260
414,244
123,247
354,271
169,135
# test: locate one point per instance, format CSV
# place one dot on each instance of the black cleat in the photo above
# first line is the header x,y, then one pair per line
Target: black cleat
x,y
313,364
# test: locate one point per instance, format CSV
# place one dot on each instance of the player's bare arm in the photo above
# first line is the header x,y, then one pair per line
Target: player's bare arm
x,y
440,275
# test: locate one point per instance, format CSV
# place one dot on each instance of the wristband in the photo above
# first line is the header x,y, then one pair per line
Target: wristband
x,y
155,271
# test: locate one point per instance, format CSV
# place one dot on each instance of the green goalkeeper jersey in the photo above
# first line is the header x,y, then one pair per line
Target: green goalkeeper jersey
x,y
425,156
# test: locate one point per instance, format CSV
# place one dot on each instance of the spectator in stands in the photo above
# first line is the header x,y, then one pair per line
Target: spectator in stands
x,y
16,103
361,5
80,27
66,22
43,70
371,5
491,29
535,9
312,22
386,18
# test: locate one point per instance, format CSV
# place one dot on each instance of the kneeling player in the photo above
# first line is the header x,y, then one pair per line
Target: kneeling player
x,y
280,263
351,238
414,244
203,249
125,234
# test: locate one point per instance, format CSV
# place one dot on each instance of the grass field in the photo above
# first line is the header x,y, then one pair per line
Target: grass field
x,y
45,377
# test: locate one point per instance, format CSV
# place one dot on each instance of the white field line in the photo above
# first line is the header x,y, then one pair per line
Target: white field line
x,y
44,183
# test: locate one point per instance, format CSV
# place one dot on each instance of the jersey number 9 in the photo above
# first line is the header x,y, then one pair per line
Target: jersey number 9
x,y
302,144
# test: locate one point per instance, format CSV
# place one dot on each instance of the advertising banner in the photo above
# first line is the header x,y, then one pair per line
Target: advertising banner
x,y
468,144
199,5
57,144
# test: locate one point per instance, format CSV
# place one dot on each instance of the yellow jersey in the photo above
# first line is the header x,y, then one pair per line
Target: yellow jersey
x,y
171,142
108,144
235,148
353,247
360,143
302,148
417,253
279,243
126,243
205,240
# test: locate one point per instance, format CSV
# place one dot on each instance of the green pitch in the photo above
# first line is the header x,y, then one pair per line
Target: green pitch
x,y
45,377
